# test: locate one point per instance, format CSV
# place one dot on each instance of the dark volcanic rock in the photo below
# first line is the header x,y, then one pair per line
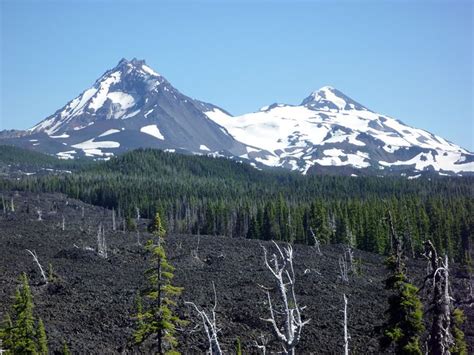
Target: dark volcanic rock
x,y
91,304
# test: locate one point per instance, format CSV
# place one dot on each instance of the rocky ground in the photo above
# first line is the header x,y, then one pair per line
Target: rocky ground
x,y
91,306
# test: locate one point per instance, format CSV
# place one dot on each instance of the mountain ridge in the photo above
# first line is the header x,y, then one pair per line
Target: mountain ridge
x,y
132,106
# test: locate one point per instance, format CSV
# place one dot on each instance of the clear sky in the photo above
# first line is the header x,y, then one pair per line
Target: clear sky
x,y
412,60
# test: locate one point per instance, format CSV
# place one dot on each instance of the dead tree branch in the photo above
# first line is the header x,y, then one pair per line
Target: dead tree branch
x,y
281,267
35,258
209,323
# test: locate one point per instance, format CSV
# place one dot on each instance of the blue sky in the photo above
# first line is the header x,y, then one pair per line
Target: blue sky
x,y
412,60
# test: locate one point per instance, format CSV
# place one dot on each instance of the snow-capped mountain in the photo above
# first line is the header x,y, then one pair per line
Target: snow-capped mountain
x,y
329,130
128,107
132,106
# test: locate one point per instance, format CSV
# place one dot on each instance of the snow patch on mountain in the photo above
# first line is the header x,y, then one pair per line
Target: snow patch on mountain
x,y
150,71
109,132
92,148
64,135
153,131
102,94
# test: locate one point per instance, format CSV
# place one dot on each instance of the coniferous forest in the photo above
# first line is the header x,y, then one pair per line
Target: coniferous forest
x,y
217,196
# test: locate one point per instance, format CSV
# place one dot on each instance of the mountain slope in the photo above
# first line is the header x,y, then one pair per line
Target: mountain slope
x,y
132,106
128,107
330,130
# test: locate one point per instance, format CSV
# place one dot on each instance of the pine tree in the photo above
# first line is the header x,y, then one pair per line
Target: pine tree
x,y
22,334
5,332
65,349
405,314
460,345
42,339
155,319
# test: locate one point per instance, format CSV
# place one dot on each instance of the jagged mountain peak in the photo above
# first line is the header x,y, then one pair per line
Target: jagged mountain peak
x,y
329,98
135,64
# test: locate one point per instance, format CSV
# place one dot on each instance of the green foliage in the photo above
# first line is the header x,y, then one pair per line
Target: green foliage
x,y
158,229
6,332
42,339
405,313
21,333
51,276
65,349
216,196
155,318
460,345
238,347
10,155
130,224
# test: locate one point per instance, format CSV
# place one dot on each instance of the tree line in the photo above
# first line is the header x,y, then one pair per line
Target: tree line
x,y
216,196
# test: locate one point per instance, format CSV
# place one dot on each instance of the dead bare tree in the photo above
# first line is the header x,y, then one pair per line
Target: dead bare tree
x,y
138,223
195,252
281,267
209,323
113,220
440,339
63,224
343,269
35,258
101,243
12,205
40,214
350,250
317,244
4,205
263,345
346,333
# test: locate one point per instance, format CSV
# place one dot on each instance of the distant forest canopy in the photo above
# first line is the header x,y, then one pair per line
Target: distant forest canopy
x,y
217,196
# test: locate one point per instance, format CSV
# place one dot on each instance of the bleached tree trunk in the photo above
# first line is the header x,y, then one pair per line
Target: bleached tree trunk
x,y
40,213
317,244
113,220
440,339
209,323
288,333
101,243
35,258
343,271
195,252
63,224
346,333
4,205
137,223
263,345
350,250
12,205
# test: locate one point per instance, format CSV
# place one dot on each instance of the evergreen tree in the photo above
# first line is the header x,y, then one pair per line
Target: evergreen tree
x,y
253,232
405,314
42,339
155,317
22,334
6,332
65,350
460,345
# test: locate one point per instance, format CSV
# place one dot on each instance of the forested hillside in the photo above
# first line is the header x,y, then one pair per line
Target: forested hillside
x,y
216,196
